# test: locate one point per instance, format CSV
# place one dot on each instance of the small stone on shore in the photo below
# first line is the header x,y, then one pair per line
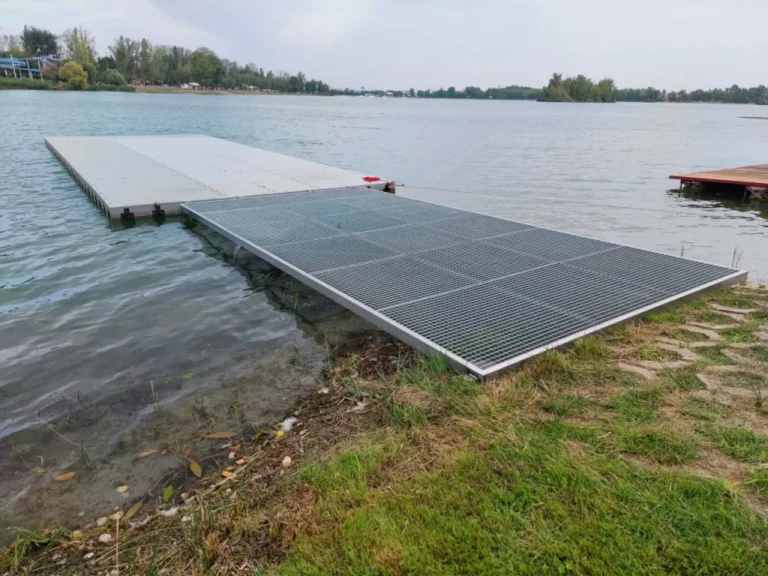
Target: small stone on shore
x,y
287,461
105,538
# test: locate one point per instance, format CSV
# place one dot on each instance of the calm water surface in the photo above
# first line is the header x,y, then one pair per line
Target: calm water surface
x,y
141,338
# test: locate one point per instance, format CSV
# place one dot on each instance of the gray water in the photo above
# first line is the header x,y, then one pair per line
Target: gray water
x,y
128,340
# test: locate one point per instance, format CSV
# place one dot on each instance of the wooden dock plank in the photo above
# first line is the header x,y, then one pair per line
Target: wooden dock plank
x,y
743,176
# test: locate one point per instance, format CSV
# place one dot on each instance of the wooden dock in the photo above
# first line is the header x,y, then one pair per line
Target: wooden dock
x,y
755,176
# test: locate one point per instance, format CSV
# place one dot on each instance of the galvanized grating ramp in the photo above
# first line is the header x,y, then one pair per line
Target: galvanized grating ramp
x,y
485,292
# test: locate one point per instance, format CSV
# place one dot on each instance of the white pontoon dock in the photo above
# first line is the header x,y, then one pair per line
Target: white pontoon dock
x,y
133,177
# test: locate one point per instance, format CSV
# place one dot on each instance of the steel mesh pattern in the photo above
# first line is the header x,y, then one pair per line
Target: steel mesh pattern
x,y
481,261
550,245
487,292
579,292
484,325
359,221
667,274
411,238
386,283
329,253
477,226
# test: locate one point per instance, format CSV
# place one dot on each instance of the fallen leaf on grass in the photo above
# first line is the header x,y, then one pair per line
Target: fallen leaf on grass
x,y
65,477
132,510
167,493
195,468
226,473
219,435
240,462
147,453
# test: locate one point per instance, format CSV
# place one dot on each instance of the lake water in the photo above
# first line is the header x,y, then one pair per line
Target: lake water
x,y
129,340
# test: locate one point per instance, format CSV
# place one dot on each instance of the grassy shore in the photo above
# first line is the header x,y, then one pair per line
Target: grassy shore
x,y
639,451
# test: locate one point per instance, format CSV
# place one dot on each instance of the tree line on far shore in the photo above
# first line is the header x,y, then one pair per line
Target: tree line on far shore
x,y
582,89
138,61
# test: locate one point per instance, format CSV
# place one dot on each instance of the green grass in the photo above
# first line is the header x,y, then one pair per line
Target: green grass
x,y
732,300
713,317
759,353
535,506
743,333
686,335
714,355
565,406
701,409
758,481
638,405
683,378
451,476
662,447
739,443
744,380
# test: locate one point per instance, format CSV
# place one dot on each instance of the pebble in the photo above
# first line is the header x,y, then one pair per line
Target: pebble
x,y
101,521
76,535
184,495
288,423
186,519
122,489
287,461
105,538
89,555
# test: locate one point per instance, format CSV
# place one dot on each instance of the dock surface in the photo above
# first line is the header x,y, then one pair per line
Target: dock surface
x,y
745,176
485,293
142,174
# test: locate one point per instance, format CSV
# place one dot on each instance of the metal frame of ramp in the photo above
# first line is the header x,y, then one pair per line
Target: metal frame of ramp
x,y
485,293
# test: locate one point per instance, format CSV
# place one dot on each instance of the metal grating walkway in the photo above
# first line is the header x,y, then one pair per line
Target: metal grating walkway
x,y
486,293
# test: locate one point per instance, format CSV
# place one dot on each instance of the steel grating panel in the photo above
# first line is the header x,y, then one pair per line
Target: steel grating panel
x,y
477,226
553,246
330,253
410,238
667,274
481,261
373,284
365,221
484,292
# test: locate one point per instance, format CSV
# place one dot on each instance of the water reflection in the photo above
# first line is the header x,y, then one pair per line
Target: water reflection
x,y
714,197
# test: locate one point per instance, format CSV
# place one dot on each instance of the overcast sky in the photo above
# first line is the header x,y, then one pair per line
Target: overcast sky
x,y
668,44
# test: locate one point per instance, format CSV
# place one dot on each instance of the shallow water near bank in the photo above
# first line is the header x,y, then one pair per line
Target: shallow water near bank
x,y
119,337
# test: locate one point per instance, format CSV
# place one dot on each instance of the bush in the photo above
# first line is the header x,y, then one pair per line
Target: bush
x,y
74,76
113,78
90,69
25,84
110,88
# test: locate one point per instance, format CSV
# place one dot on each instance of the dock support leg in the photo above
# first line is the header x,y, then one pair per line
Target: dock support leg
x,y
237,250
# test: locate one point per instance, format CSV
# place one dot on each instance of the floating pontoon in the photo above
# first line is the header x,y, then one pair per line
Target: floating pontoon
x,y
483,292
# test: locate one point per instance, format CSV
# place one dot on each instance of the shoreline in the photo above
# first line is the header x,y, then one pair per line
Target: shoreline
x,y
400,459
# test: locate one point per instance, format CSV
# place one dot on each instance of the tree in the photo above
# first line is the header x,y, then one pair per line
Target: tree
x,y
607,90
77,44
145,60
114,78
10,45
90,70
39,42
126,54
206,68
73,74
